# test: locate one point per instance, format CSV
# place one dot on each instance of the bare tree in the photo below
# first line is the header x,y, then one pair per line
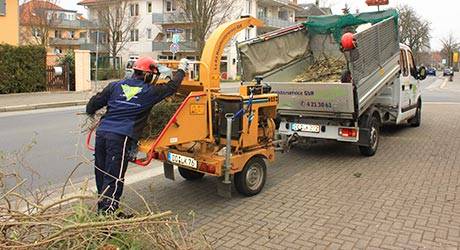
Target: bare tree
x,y
414,30
205,15
40,17
118,19
450,44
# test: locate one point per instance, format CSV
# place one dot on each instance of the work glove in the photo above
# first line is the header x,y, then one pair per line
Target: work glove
x,y
183,64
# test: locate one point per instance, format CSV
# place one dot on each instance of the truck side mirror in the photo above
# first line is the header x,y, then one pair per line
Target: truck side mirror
x,y
421,73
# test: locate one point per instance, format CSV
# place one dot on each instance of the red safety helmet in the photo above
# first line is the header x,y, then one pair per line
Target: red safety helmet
x,y
146,64
348,41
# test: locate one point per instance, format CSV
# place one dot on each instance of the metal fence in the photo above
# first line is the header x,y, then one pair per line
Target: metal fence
x,y
375,47
58,78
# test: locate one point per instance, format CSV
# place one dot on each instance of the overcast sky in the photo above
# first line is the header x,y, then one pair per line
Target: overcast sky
x,y
443,15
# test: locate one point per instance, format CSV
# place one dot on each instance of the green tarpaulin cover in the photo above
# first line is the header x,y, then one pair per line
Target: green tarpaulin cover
x,y
335,24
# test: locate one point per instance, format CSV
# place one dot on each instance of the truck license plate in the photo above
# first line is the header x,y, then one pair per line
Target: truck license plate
x,y
182,160
305,128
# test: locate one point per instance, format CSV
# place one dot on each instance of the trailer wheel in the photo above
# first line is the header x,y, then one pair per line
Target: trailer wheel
x,y
374,138
251,179
189,174
417,119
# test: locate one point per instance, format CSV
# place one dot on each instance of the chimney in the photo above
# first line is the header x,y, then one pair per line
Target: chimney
x,y
317,3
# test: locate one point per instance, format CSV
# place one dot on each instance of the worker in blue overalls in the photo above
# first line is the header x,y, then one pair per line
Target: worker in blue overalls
x,y
128,103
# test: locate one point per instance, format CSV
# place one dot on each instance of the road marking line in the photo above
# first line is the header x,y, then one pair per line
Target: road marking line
x,y
443,85
442,103
435,84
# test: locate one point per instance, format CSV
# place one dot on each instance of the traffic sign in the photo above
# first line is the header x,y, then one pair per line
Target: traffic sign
x,y
176,38
174,48
175,30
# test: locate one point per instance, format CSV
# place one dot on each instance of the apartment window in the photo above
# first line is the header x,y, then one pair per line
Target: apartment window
x,y
134,35
262,12
57,34
169,36
2,7
72,34
188,35
134,9
247,34
149,7
149,33
249,7
170,6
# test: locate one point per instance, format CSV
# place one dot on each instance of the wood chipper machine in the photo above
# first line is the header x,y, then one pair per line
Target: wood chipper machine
x,y
220,134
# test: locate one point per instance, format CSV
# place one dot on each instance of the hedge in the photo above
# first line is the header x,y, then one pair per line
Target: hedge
x,y
22,69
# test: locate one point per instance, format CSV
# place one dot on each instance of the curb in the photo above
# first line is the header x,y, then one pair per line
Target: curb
x,y
43,106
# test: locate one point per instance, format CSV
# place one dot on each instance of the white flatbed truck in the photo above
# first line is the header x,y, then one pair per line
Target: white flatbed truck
x,y
384,87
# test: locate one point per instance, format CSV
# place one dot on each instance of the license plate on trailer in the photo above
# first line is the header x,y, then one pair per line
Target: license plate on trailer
x,y
298,127
182,160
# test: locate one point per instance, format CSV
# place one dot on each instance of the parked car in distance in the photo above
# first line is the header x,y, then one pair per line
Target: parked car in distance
x,y
431,71
448,72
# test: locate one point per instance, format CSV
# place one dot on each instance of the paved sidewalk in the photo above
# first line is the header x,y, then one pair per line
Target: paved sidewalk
x,y
42,100
30,101
406,197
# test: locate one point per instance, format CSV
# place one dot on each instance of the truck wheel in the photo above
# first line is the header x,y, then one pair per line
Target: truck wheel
x,y
251,179
374,138
190,175
417,119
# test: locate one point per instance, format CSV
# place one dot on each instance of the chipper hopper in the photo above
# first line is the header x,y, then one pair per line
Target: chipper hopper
x,y
214,133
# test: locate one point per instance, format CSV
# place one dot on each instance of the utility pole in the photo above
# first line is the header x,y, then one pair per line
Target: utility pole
x,y
97,59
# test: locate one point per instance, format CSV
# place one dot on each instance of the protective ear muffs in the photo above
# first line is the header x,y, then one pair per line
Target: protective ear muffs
x,y
151,78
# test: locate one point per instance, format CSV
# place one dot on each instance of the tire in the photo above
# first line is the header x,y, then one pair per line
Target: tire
x,y
190,175
251,180
374,138
417,119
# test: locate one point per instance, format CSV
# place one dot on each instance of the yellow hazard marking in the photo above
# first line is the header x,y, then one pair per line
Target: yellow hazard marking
x,y
382,71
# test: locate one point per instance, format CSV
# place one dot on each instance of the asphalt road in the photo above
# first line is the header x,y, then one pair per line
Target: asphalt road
x,y
59,144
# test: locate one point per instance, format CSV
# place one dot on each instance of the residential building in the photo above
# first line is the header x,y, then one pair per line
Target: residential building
x,y
9,22
142,34
159,20
60,30
311,9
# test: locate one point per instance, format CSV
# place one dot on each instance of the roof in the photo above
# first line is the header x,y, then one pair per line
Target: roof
x,y
85,2
32,11
92,2
311,9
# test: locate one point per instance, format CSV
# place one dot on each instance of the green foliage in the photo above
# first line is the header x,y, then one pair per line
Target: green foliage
x,y
22,69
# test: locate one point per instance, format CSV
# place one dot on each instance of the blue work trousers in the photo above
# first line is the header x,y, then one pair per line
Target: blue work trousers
x,y
111,160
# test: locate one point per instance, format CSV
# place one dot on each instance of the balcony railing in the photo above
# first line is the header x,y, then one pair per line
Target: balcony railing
x,y
92,47
68,42
183,46
74,24
172,17
275,22
274,2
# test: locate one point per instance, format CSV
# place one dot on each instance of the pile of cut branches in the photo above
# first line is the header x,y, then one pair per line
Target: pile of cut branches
x,y
324,69
59,219
161,114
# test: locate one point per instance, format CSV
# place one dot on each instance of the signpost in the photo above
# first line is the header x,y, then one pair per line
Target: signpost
x,y
174,48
